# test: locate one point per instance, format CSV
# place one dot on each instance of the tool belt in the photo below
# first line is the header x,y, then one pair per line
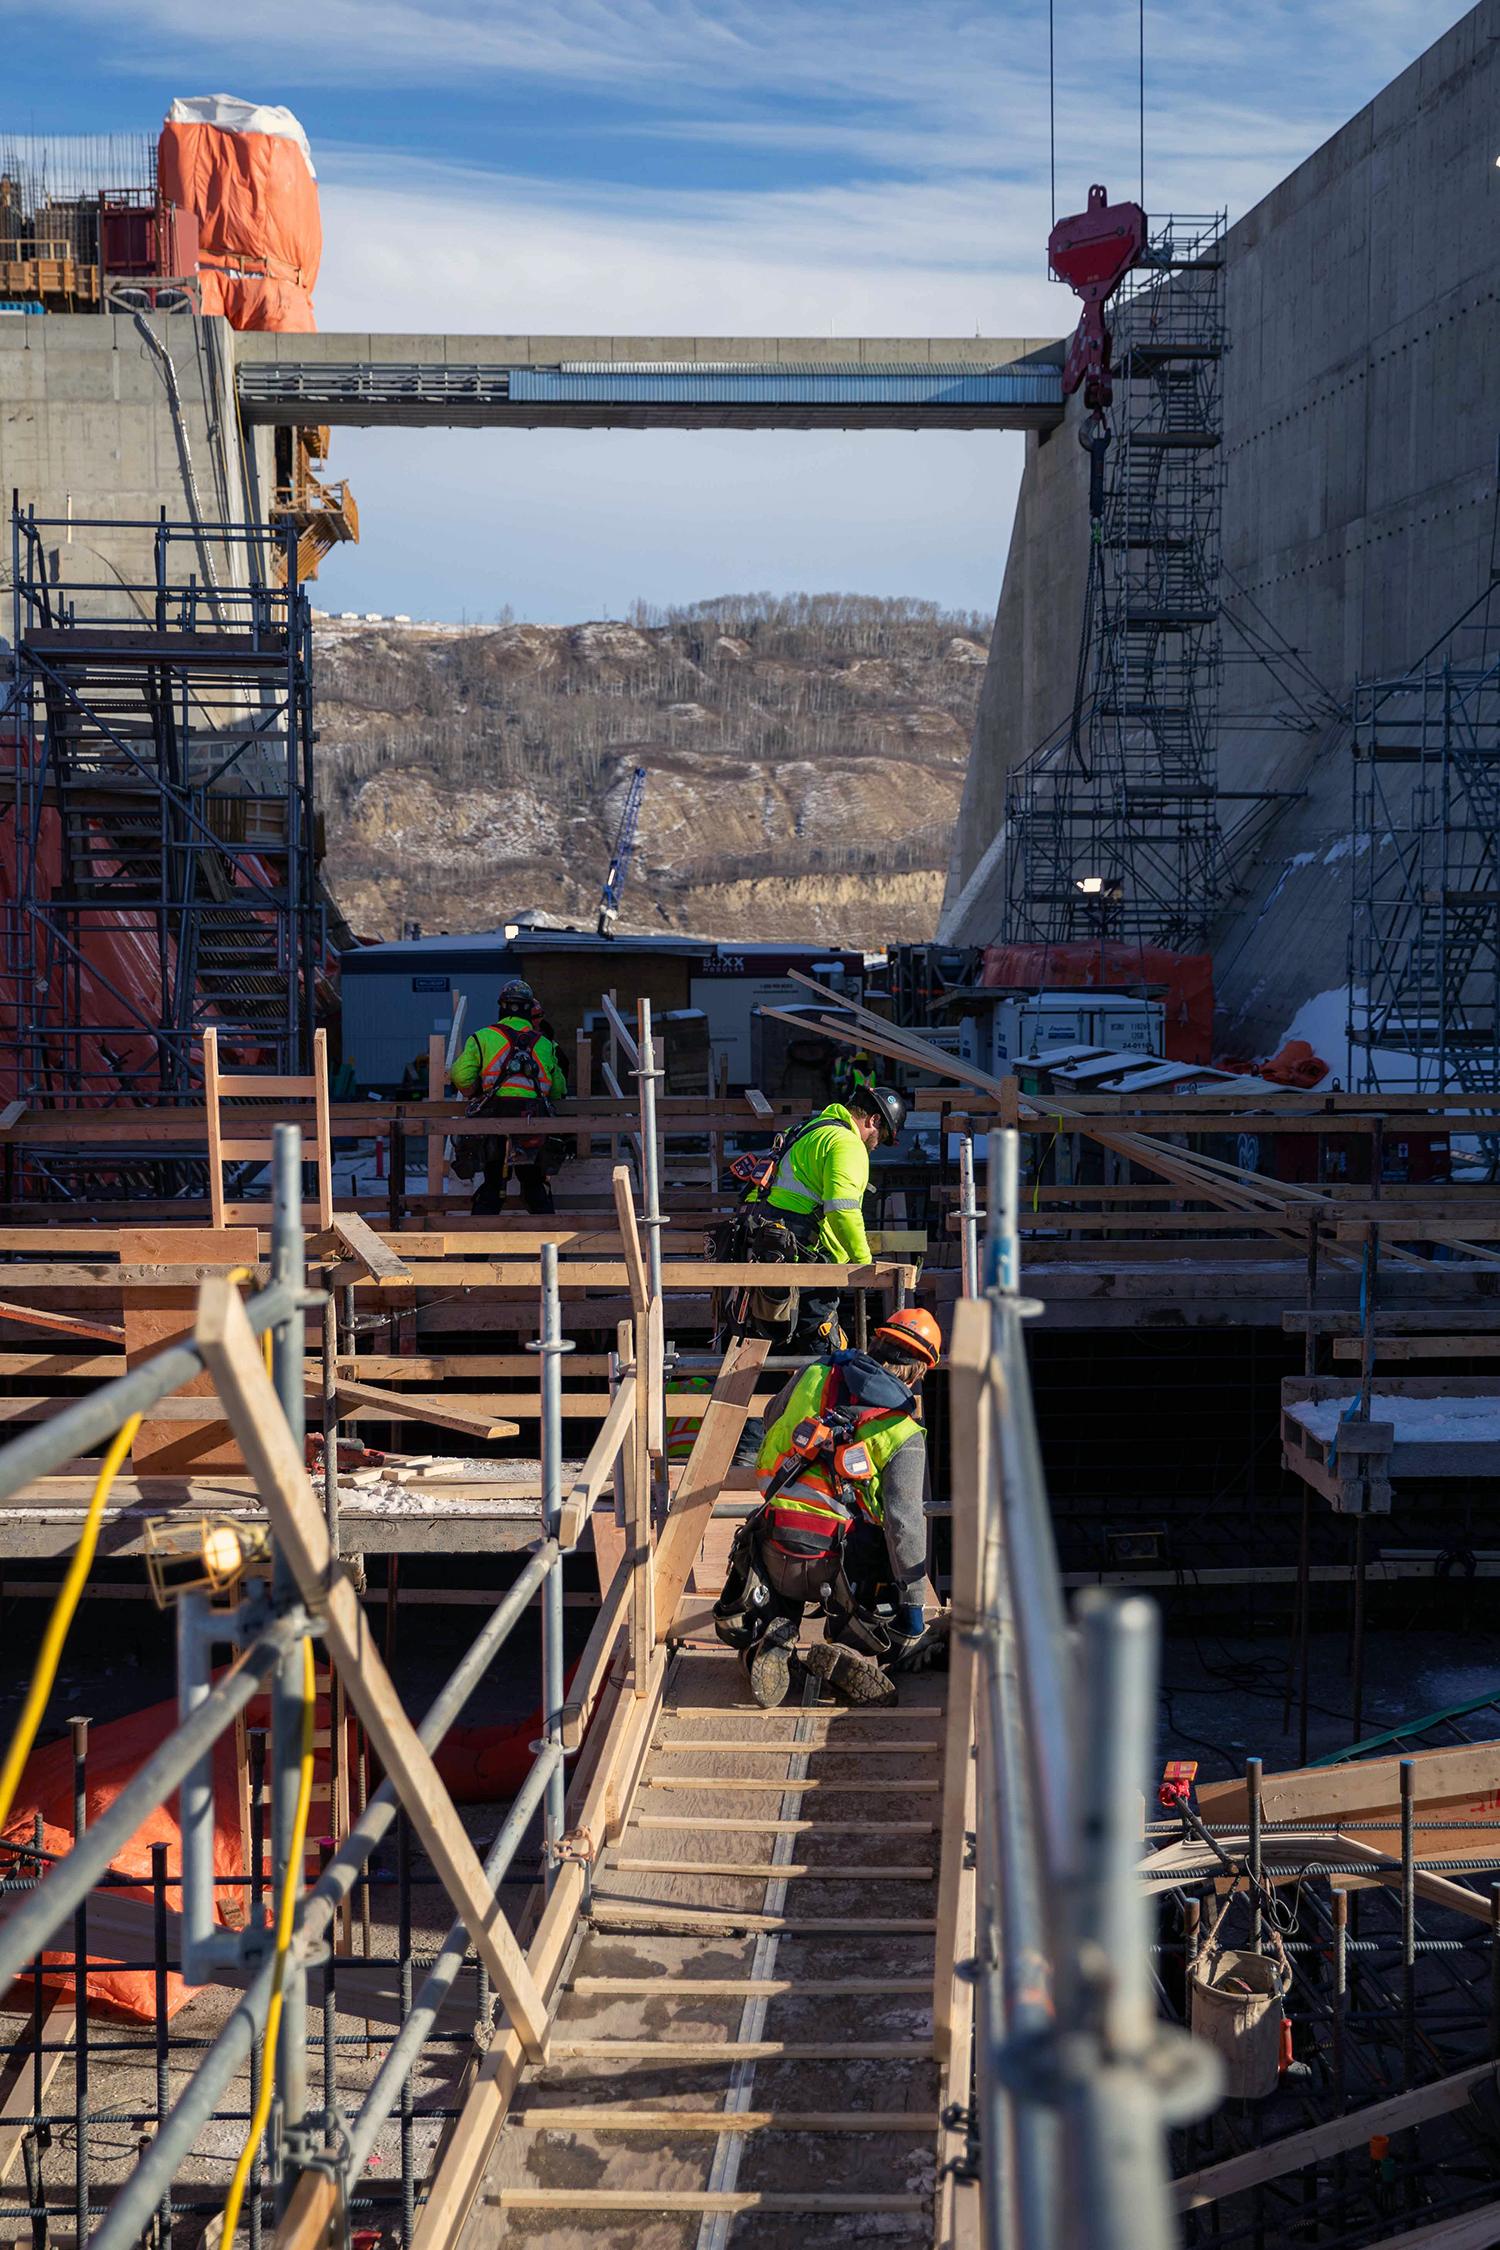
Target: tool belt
x,y
477,1152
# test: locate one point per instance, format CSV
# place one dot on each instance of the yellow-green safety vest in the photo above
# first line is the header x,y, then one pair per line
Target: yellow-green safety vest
x,y
881,1431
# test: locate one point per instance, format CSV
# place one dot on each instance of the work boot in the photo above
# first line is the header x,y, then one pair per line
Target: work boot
x,y
769,1663
853,1678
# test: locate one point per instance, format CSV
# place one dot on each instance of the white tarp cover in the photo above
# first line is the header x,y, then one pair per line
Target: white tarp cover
x,y
232,115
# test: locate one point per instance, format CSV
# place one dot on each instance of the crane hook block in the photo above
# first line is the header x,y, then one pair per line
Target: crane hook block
x,y
1092,252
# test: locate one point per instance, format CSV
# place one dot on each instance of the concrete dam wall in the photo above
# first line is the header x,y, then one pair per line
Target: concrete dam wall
x,y
1361,418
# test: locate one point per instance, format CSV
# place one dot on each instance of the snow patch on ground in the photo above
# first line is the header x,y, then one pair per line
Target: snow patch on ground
x,y
1323,1023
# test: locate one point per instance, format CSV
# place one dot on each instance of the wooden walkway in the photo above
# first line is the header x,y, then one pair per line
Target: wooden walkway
x,y
745,2035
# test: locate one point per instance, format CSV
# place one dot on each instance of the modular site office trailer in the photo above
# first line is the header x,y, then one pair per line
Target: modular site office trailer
x,y
396,995
1001,1032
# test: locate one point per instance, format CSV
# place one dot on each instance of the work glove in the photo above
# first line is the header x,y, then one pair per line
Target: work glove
x,y
924,1651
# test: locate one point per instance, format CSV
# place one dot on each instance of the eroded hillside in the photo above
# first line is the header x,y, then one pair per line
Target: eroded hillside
x,y
806,759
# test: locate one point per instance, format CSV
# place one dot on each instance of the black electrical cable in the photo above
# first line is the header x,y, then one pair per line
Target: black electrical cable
x,y
1052,100
1142,51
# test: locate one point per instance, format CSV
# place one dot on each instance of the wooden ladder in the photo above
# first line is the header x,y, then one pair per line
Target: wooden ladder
x,y
253,1129
746,2028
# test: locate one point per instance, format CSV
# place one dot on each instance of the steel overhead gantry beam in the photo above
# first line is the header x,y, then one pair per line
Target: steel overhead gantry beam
x,y
349,380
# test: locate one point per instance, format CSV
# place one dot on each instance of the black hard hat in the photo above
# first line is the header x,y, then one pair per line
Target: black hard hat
x,y
518,999
885,1103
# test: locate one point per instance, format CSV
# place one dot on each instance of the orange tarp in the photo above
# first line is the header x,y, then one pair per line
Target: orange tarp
x,y
260,230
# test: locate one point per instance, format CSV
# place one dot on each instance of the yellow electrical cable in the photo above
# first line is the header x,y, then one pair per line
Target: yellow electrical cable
x,y
247,1273
286,1912
68,1596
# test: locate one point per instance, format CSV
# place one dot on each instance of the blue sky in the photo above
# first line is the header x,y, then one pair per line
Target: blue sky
x,y
720,167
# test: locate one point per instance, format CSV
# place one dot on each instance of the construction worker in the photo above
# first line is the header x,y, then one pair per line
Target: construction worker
x,y
853,1071
842,1473
508,1068
807,1203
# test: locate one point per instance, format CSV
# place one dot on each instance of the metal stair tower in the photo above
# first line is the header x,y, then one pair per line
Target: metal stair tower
x,y
1123,796
164,849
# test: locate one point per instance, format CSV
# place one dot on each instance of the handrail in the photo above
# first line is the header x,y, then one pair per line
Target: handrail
x,y
1075,2079
309,1592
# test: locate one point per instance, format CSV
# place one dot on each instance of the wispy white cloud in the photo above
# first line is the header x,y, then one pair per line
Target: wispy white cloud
x,y
918,139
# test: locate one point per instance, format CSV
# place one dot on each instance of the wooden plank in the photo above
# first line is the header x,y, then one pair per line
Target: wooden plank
x,y
1320,1796
18,2082
377,1367
437,1088
788,1747
634,1261
639,1558
213,1125
65,1324
593,1665
873,1787
739,2050
719,1433
322,1148
1420,1347
608,1914
249,1085
583,1063
100,1367
601,2118
695,2199
155,1318
276,1460
422,1406
456,2176
840,1715
735,1988
379,1261
595,1474
762,1870
720,1825
1255,2166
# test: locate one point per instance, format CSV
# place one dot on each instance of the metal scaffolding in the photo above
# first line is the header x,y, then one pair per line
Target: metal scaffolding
x,y
1424,943
163,856
1123,797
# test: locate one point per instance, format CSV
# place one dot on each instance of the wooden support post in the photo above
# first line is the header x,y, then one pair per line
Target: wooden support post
x,y
214,1125
640,1554
437,1088
224,1336
583,1055
635,1263
708,1464
322,1150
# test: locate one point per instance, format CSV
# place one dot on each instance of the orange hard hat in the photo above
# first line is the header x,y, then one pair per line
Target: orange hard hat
x,y
916,1332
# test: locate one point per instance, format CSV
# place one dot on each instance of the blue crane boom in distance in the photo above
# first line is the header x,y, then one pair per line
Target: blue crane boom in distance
x,y
619,866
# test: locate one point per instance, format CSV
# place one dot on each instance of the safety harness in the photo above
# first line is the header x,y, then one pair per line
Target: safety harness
x,y
513,1068
792,1550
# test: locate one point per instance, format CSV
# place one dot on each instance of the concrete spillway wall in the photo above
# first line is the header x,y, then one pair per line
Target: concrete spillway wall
x,y
88,429
1361,419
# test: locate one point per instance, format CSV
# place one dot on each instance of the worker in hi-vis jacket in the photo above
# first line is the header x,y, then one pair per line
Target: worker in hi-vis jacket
x,y
509,1069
